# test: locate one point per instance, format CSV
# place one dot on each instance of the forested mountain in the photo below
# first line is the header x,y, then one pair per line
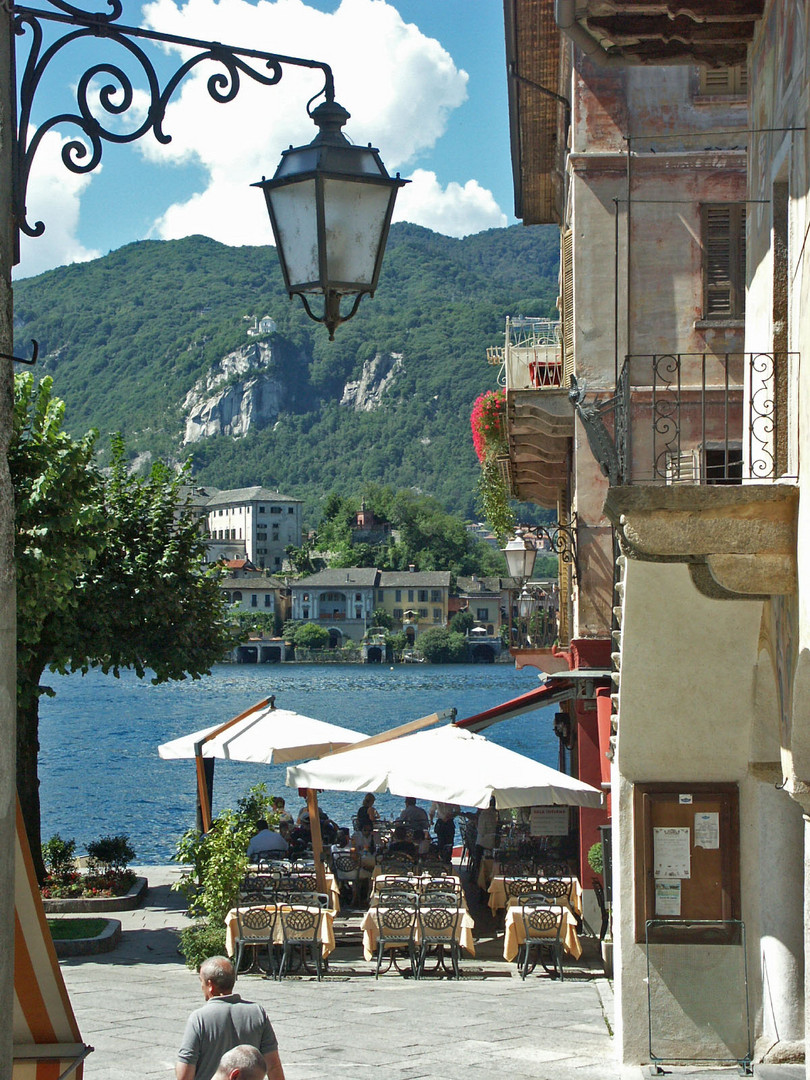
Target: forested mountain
x,y
152,340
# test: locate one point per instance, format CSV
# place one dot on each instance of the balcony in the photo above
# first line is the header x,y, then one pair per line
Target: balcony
x,y
540,418
701,441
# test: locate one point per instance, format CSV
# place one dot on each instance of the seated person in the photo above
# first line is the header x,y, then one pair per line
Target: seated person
x,y
401,842
279,807
421,841
414,815
266,842
328,827
363,849
342,844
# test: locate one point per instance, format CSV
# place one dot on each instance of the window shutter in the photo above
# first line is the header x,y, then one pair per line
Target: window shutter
x,y
724,261
567,304
724,81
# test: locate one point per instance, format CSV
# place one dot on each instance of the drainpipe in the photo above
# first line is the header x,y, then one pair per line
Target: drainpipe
x,y
565,14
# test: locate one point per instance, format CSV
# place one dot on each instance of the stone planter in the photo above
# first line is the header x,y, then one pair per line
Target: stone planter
x,y
93,905
607,958
104,942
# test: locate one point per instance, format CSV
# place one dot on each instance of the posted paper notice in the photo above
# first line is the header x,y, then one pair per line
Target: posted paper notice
x,y
707,830
667,898
671,853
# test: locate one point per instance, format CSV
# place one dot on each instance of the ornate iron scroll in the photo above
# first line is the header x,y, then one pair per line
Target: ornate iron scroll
x,y
599,438
562,538
82,154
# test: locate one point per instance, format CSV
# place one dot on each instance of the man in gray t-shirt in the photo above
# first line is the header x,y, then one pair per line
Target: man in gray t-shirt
x,y
225,1021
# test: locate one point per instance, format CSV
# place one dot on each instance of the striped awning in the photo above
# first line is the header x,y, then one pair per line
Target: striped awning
x,y
47,1043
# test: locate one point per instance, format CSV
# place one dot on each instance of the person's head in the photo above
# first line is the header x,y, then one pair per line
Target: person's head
x,y
261,825
400,832
343,837
410,800
242,1063
217,976
368,800
367,829
278,803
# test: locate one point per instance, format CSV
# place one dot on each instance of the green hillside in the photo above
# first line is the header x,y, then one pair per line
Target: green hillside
x,y
127,336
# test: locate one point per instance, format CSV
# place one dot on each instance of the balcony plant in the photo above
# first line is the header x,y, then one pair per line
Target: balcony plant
x,y
488,424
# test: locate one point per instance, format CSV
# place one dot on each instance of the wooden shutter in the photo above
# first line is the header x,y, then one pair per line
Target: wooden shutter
x,y
724,81
723,230
567,303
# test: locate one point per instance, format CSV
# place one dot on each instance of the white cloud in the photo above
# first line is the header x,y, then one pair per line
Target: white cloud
x,y
456,210
54,198
399,85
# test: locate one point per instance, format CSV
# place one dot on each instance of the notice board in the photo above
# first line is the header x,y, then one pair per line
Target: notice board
x,y
687,856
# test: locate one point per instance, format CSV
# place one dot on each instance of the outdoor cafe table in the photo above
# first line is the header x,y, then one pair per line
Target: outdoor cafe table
x,y
515,933
464,932
417,880
326,929
497,892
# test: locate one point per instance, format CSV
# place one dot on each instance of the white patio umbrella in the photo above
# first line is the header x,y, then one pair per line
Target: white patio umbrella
x,y
447,764
262,734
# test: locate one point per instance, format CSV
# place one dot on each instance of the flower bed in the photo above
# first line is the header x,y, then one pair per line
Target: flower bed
x,y
100,942
92,901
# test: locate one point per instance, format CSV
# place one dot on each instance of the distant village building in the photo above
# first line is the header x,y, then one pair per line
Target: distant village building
x,y
250,590
340,600
253,523
265,325
414,600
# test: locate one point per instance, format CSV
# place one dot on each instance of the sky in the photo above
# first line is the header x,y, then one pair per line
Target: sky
x,y
424,81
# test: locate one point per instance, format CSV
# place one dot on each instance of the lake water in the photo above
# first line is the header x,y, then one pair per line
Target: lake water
x,y
99,767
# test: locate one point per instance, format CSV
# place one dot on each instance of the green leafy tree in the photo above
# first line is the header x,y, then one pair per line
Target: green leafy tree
x,y
442,646
462,621
111,572
382,618
311,636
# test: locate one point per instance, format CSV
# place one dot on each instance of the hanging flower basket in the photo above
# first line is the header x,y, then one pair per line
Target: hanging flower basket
x,y
488,423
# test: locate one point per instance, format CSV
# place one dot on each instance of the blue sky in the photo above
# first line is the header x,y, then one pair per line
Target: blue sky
x,y
424,81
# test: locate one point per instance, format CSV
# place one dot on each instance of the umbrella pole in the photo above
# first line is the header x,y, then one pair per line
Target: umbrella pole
x,y
203,794
208,781
317,839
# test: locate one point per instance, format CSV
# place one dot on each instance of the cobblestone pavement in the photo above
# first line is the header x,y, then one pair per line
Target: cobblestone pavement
x,y
132,1004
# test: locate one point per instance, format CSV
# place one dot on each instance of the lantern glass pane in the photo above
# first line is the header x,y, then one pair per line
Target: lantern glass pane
x,y
354,214
297,230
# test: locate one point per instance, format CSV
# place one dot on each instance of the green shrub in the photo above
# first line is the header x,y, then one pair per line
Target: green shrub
x,y
59,856
201,940
596,858
311,636
110,854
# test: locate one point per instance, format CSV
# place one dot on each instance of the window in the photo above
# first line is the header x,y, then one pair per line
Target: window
x,y
254,600
275,509
268,600
397,612
437,614
358,596
723,233
398,596
410,595
277,561
237,597
423,613
305,613
262,510
380,595
227,595
724,81
482,614
423,595
290,509
436,596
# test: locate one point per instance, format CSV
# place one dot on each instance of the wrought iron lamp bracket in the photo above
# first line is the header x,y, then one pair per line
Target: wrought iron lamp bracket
x,y
100,109
562,538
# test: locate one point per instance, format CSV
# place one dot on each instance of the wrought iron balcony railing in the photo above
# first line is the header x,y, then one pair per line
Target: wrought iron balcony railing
x,y
700,418
531,357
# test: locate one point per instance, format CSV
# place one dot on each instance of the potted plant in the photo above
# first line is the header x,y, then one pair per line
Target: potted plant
x,y
596,861
488,424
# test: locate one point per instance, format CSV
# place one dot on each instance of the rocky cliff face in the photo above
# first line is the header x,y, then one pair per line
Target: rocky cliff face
x,y
242,392
378,375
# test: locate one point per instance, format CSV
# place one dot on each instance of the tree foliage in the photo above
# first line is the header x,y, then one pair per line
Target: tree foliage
x,y
111,571
442,646
311,636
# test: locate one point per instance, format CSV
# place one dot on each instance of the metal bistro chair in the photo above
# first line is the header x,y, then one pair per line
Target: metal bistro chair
x,y
515,887
555,870
257,888
559,892
442,885
542,927
395,917
300,933
438,930
347,873
255,927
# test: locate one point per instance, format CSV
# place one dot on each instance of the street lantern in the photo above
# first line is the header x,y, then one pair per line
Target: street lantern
x,y
520,554
330,206
526,603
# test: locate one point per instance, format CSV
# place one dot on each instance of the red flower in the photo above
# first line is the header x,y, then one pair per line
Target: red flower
x,y
486,417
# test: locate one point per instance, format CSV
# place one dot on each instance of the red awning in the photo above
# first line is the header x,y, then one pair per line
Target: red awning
x,y
547,694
